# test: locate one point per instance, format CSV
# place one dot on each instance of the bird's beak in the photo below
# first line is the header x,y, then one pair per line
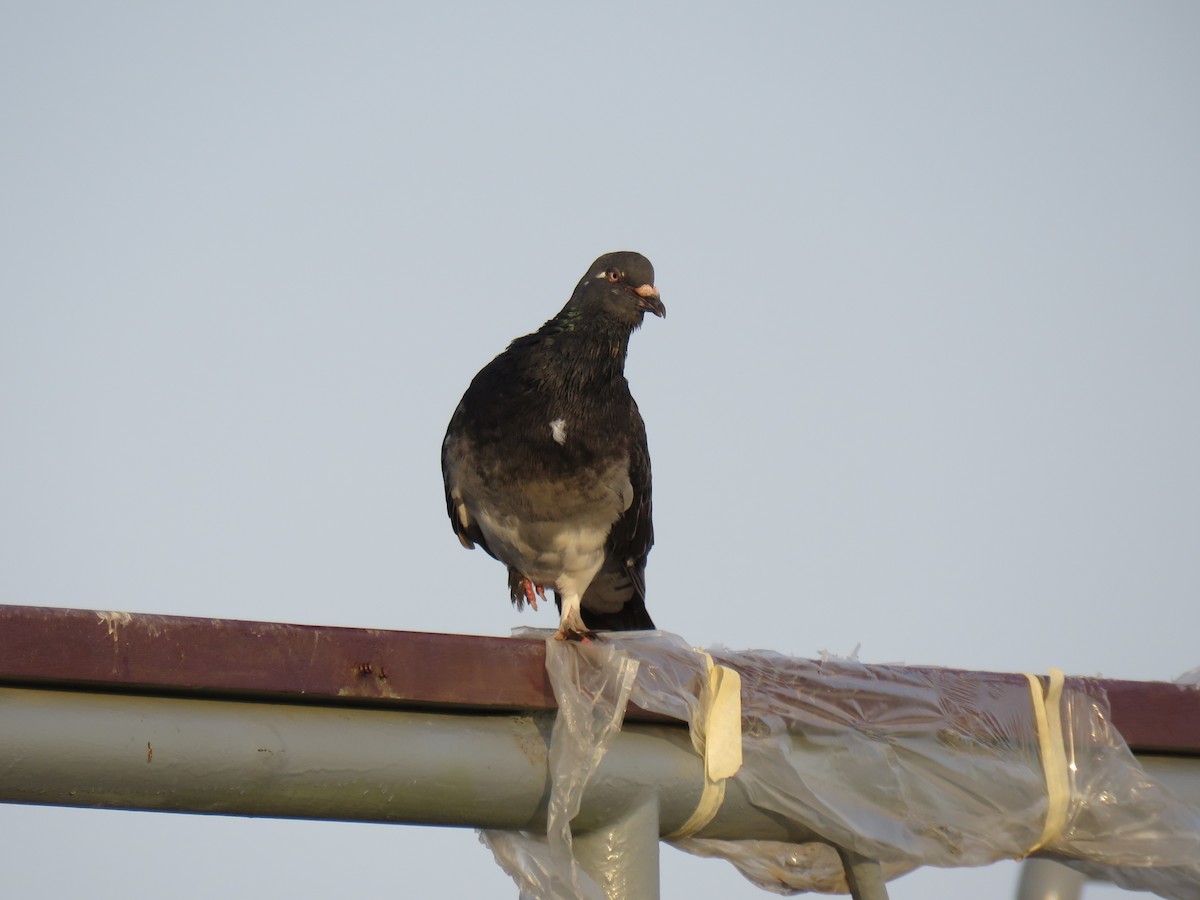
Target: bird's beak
x,y
650,301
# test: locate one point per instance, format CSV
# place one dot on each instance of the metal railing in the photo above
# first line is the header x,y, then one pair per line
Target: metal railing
x,y
115,710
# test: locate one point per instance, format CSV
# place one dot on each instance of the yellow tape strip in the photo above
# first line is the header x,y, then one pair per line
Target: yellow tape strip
x,y
718,738
1048,715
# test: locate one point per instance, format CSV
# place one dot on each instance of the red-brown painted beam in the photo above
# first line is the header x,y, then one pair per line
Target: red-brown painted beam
x,y
222,657
141,652
1155,715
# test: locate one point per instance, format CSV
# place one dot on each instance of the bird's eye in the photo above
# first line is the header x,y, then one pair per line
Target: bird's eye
x,y
613,275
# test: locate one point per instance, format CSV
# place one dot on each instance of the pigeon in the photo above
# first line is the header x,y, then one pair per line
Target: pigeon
x,y
545,460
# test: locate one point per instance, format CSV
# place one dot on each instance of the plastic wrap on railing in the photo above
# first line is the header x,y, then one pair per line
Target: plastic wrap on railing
x,y
592,689
903,765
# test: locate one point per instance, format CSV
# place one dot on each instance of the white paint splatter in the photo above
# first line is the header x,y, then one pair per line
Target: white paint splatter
x,y
114,621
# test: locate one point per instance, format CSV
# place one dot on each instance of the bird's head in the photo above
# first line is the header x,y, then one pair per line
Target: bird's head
x,y
620,285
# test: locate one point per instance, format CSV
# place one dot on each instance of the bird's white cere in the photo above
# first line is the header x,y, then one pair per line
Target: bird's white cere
x,y
558,430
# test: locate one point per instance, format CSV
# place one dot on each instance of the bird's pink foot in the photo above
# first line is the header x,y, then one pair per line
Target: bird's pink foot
x,y
533,592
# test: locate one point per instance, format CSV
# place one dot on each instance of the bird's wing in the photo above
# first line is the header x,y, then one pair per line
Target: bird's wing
x,y
456,455
632,534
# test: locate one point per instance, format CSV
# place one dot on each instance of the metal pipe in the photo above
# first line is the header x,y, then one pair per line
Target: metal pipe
x,y
121,751
863,876
202,756
1044,879
623,856
115,751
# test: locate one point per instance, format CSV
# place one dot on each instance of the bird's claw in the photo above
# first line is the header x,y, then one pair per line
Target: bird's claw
x,y
533,592
569,634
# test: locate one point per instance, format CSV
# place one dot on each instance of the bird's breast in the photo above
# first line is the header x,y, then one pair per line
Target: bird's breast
x,y
548,527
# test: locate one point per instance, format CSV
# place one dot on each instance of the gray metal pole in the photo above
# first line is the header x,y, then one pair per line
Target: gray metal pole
x,y
1044,879
863,875
121,751
623,856
118,751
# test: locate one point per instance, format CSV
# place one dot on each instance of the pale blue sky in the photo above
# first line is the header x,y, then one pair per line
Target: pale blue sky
x,y
928,384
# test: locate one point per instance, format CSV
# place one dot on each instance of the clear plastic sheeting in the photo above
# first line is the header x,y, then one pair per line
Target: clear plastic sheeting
x,y
1191,676
592,684
906,766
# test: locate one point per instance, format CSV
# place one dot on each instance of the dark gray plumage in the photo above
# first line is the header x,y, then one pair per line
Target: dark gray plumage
x,y
545,460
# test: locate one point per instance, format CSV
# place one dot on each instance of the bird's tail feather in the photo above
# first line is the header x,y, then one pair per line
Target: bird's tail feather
x,y
630,617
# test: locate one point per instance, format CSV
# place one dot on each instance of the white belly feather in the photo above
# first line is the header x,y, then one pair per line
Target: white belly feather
x,y
566,557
